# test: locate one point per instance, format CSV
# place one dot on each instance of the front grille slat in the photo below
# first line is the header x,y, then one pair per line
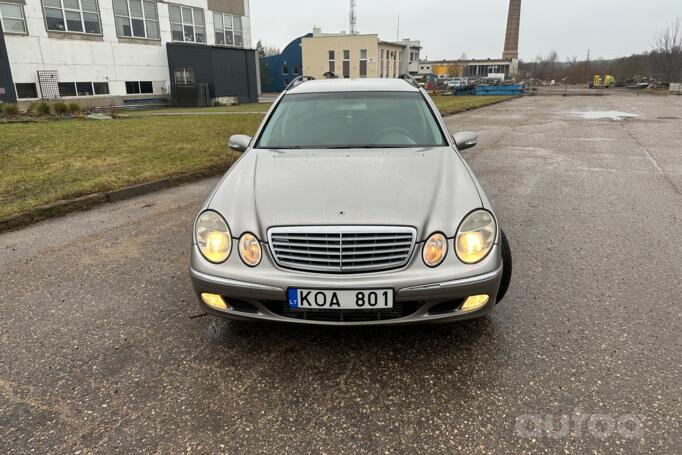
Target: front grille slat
x,y
399,310
342,249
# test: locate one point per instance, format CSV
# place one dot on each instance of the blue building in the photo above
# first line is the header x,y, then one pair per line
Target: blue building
x,y
280,69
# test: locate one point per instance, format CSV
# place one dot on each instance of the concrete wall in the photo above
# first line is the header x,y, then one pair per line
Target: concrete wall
x,y
106,58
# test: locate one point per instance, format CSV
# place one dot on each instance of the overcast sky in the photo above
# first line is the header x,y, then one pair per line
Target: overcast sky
x,y
449,28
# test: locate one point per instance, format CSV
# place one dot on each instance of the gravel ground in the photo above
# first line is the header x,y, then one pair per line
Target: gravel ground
x,y
104,350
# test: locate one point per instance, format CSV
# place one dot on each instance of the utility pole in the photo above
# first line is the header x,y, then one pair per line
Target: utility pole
x,y
397,36
587,69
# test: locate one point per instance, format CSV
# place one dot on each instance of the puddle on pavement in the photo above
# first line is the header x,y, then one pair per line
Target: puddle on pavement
x,y
599,115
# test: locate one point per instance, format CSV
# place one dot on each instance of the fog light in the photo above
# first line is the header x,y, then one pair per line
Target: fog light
x,y
475,302
214,301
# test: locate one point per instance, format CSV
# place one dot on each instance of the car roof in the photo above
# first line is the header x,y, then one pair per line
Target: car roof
x,y
354,85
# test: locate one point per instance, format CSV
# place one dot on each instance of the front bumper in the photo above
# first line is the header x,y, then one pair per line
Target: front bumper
x,y
422,295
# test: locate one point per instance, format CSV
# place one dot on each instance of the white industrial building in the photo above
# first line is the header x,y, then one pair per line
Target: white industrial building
x,y
111,51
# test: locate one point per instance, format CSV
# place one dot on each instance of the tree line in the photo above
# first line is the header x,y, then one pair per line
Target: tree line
x,y
662,64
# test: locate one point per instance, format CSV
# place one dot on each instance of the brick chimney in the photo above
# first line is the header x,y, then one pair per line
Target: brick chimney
x,y
511,42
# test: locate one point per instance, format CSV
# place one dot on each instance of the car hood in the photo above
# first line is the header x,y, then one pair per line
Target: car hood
x,y
428,188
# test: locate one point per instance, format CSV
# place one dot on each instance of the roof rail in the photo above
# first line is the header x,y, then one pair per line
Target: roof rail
x,y
298,80
410,80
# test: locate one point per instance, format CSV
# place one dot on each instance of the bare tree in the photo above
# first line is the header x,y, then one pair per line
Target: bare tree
x,y
455,70
668,50
265,50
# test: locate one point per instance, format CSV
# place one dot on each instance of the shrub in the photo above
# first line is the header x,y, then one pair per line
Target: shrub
x,y
60,108
42,108
32,107
9,110
74,108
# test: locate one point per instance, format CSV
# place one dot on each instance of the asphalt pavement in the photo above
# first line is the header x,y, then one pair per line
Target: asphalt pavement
x,y
103,348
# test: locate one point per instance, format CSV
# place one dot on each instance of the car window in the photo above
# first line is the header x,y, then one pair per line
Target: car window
x,y
352,120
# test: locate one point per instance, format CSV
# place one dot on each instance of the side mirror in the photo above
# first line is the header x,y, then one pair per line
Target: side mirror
x,y
465,140
239,142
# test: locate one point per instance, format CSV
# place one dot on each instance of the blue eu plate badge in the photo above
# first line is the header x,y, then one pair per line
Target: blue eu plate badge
x,y
293,297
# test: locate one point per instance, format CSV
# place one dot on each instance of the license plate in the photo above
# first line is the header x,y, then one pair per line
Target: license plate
x,y
316,299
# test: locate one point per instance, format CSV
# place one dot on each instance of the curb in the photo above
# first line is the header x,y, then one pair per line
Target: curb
x,y
91,200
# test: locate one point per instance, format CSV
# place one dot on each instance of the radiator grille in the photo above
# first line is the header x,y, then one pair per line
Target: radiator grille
x,y
342,249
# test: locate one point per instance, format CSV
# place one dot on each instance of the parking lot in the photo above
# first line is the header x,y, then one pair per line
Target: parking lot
x,y
105,350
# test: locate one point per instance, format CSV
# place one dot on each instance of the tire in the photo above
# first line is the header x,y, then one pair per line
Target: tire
x,y
506,267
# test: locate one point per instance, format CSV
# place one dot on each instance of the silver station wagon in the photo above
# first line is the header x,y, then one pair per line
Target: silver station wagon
x,y
350,206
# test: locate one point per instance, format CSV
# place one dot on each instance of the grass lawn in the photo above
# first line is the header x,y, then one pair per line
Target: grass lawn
x,y
448,105
48,161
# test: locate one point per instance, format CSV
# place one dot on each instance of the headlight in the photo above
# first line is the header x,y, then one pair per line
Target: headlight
x,y
475,237
435,249
250,250
213,237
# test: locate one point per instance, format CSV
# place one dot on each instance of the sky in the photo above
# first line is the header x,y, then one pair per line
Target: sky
x,y
450,28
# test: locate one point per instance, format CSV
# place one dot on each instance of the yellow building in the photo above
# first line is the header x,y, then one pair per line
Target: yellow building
x,y
353,56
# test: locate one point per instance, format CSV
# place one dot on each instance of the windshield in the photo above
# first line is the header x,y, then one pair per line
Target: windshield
x,y
352,120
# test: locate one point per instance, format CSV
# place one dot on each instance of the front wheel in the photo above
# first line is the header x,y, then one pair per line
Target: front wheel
x,y
506,267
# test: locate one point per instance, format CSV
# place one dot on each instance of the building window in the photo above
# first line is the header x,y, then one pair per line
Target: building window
x,y
135,87
184,76
136,18
285,70
295,70
101,88
12,18
238,32
187,24
346,64
67,88
146,87
332,63
26,91
84,89
228,30
363,62
78,16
